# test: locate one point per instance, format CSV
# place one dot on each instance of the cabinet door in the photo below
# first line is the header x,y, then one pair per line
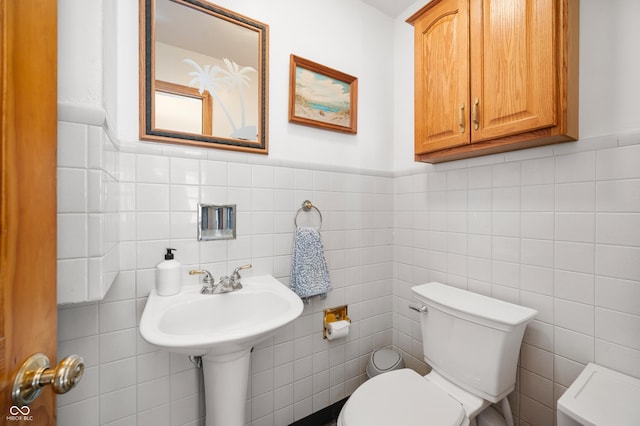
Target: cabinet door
x,y
513,67
442,76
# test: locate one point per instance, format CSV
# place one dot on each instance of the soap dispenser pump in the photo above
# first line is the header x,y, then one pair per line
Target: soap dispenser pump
x,y
168,275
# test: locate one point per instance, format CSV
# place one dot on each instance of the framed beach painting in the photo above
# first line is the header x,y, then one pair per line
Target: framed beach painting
x,y
322,97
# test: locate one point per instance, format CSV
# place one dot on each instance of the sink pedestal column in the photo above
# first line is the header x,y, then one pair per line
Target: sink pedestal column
x,y
225,387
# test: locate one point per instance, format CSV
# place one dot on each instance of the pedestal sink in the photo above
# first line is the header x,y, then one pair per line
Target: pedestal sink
x,y
222,328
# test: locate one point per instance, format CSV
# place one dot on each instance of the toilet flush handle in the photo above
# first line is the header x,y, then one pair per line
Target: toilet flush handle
x,y
420,309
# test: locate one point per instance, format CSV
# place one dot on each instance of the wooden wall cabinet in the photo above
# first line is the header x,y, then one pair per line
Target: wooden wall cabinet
x,y
494,76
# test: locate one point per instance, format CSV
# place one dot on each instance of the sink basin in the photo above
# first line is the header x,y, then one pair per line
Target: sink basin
x,y
222,328
196,324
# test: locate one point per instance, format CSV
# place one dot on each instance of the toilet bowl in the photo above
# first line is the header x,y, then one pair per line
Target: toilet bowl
x,y
472,344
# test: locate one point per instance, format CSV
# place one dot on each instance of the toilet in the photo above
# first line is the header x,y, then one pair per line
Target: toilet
x,y
600,397
471,342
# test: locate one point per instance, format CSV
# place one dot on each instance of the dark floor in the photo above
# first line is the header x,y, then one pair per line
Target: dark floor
x,y
324,417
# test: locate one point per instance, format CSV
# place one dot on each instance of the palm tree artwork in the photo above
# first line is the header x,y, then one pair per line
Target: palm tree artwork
x,y
234,78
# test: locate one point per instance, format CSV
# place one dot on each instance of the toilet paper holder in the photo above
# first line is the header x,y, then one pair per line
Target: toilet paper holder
x,y
339,313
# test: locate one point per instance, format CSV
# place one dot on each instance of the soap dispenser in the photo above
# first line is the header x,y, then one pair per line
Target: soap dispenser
x,y
168,275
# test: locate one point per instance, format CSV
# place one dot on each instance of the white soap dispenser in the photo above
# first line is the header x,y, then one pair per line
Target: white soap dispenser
x,y
168,275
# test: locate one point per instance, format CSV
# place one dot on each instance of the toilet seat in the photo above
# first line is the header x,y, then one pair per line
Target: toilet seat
x,y
401,397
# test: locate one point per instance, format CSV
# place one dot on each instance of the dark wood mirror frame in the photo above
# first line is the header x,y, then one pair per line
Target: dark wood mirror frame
x,y
148,80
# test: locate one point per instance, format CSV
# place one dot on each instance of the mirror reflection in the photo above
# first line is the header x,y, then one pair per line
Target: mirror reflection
x,y
204,79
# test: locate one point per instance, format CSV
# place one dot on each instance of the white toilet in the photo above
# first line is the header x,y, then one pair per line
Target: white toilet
x,y
471,342
600,396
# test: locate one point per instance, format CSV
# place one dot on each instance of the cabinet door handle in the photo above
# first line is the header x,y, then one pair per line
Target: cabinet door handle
x,y
461,118
474,114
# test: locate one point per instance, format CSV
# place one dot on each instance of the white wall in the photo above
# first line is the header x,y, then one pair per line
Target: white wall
x,y
80,64
347,36
608,70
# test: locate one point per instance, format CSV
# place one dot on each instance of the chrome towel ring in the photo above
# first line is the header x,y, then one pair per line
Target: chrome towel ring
x,y
306,206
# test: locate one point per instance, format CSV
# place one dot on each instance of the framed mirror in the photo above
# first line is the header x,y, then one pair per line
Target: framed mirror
x,y
203,76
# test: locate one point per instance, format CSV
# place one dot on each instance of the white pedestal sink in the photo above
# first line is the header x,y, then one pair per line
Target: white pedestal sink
x,y
222,328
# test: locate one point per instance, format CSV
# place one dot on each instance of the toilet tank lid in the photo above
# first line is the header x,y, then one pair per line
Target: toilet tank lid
x,y
475,304
600,396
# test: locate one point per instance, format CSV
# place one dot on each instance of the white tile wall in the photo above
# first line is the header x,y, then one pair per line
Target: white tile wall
x,y
88,212
293,374
558,233
554,229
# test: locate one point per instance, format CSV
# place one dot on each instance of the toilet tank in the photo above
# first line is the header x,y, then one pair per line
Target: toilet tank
x,y
472,340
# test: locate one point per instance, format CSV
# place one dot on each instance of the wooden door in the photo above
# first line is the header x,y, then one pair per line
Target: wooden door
x,y
441,75
513,66
28,122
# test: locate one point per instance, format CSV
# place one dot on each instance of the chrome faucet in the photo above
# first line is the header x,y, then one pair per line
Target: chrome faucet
x,y
208,282
225,285
235,276
231,283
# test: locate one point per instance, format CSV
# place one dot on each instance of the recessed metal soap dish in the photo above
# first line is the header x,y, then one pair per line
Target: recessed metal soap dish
x,y
216,222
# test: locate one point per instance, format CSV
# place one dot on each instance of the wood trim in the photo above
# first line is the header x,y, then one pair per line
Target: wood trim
x,y
142,65
28,150
570,66
4,244
190,92
510,143
413,18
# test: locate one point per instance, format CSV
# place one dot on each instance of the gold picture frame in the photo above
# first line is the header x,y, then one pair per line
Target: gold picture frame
x,y
322,97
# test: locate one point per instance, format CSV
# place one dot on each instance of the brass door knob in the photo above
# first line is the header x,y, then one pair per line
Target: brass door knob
x,y
34,374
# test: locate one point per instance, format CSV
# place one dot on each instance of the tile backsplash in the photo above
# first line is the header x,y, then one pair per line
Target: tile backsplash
x,y
88,212
553,228
292,374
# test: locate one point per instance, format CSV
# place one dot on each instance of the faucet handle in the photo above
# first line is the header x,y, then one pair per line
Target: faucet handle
x,y
236,272
207,279
235,276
